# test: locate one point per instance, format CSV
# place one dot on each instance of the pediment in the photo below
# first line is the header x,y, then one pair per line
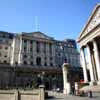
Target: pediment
x,y
92,22
38,35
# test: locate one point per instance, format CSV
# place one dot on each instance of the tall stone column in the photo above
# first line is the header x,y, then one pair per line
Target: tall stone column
x,y
90,65
34,52
53,54
47,49
28,46
20,52
84,65
97,59
42,47
42,53
47,54
66,86
13,52
34,48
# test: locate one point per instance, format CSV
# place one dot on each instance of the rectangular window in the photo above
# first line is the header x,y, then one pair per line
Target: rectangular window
x,y
31,42
31,49
38,46
44,48
50,48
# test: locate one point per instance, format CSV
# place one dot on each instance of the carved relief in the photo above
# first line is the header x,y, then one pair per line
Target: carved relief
x,y
38,35
94,21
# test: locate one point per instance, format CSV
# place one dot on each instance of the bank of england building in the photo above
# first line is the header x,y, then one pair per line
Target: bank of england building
x,y
28,57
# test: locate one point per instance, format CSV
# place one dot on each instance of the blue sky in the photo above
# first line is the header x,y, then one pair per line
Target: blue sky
x,y
57,18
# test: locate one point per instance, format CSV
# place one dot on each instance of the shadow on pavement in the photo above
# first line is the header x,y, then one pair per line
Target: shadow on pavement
x,y
50,97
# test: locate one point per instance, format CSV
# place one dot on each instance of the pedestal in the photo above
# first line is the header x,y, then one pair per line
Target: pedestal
x,y
67,86
67,89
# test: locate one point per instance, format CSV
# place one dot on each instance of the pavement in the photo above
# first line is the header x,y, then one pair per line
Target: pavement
x,y
61,96
95,88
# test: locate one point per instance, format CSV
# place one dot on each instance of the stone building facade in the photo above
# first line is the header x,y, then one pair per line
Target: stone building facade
x,y
38,49
5,36
4,52
29,55
28,77
67,49
5,46
89,41
35,49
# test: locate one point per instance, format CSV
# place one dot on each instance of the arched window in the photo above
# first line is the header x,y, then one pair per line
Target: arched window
x,y
51,64
38,61
5,61
31,63
25,62
50,48
45,64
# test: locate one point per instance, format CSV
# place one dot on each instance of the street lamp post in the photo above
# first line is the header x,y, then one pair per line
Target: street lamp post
x,y
15,74
54,83
42,78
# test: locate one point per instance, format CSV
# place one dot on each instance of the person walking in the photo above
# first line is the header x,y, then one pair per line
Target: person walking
x,y
73,90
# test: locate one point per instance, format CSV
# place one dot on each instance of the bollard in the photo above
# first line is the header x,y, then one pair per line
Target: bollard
x,y
90,94
76,88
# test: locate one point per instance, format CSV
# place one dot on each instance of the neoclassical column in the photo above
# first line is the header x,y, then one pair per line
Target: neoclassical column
x,y
28,46
47,48
97,60
20,51
34,52
47,54
90,63
34,60
34,47
84,64
53,49
42,47
13,51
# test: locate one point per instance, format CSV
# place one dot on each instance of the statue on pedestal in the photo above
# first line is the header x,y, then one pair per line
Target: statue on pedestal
x,y
67,85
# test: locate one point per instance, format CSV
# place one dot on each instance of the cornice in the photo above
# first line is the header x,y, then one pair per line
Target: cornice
x,y
88,21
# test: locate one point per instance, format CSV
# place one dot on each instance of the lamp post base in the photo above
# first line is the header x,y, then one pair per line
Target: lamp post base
x,y
67,89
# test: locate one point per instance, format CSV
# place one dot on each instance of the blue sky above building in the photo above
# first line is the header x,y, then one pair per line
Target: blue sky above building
x,y
57,18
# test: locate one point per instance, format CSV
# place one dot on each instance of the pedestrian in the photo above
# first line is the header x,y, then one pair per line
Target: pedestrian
x,y
90,94
73,90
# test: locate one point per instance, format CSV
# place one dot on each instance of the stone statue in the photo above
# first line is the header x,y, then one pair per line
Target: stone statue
x,y
66,86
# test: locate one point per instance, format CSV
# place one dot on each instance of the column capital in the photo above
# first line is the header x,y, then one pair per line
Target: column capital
x,y
94,45
90,42
82,47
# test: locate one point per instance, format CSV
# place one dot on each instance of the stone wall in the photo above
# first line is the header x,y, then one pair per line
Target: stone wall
x,y
28,77
37,94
